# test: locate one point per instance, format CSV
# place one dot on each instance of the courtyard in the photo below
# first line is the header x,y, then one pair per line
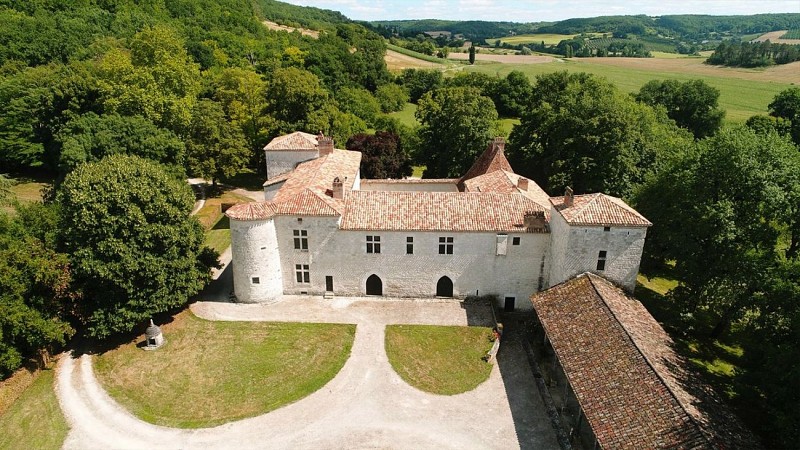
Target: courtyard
x,y
366,405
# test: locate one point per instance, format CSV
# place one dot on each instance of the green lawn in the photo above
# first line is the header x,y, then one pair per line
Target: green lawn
x,y
740,97
27,190
209,373
406,115
440,360
35,420
219,236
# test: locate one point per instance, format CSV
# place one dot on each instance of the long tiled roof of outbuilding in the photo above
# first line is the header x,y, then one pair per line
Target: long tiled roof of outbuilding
x,y
599,210
294,141
436,211
634,390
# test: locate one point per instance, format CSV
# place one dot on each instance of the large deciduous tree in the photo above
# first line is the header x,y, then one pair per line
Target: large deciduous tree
x,y
382,155
215,148
34,295
91,137
725,214
456,125
580,131
134,249
692,104
292,96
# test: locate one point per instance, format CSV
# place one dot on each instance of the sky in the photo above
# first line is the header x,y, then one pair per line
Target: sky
x,y
541,10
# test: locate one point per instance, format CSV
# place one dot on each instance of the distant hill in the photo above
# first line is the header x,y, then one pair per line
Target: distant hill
x,y
298,16
689,28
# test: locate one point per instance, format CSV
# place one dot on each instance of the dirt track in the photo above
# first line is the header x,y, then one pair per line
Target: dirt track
x,y
508,59
399,61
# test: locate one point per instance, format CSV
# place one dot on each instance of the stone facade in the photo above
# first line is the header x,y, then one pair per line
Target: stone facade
x,y
320,229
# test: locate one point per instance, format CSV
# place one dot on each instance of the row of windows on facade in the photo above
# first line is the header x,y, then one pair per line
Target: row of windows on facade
x,y
374,243
303,274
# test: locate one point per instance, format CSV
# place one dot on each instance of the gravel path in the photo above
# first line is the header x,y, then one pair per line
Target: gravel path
x,y
366,405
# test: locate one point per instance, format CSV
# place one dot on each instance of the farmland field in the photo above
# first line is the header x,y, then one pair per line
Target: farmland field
x,y
549,39
743,92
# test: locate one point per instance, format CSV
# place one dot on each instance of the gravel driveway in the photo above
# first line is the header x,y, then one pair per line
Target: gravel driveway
x,y
366,405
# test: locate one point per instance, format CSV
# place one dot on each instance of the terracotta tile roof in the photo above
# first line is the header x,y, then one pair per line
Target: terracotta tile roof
x,y
507,182
294,141
599,210
493,158
634,390
318,174
307,189
436,211
252,211
412,181
278,179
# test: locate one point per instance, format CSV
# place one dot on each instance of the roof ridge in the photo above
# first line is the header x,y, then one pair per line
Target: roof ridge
x,y
591,277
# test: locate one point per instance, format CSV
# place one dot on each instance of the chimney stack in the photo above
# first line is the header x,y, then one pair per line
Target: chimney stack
x,y
568,197
534,222
324,145
338,188
500,143
522,184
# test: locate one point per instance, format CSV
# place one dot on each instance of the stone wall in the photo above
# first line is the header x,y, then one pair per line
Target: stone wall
x,y
255,253
474,267
575,250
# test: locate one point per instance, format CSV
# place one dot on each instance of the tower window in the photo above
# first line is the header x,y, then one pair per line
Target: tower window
x,y
601,260
302,273
446,245
300,239
515,240
410,245
373,244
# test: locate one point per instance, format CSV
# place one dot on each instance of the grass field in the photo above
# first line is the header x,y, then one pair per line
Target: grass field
x,y
35,420
209,373
27,190
440,360
549,39
216,224
743,92
406,115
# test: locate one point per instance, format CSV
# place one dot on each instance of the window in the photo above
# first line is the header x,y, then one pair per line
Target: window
x,y
373,244
606,228
409,245
300,239
446,245
502,244
601,260
302,273
256,280
515,241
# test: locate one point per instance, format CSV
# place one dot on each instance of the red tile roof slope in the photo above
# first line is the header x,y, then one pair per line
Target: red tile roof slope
x,y
490,160
503,181
599,210
307,191
436,211
635,391
294,141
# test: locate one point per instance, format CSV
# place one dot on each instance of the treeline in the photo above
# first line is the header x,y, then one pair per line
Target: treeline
x,y
297,16
688,27
474,30
753,54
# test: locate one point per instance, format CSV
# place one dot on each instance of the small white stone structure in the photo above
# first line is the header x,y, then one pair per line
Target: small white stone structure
x,y
323,231
153,337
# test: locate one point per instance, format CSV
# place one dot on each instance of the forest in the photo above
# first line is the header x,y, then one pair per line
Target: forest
x,y
118,102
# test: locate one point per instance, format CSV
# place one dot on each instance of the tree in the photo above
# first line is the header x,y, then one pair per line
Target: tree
x,y
34,296
578,130
786,104
133,248
333,122
456,125
90,137
5,190
692,105
155,79
725,213
382,155
242,94
391,97
359,102
510,95
214,147
472,54
292,95
417,82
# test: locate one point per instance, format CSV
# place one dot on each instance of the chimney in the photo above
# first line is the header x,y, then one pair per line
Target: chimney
x,y
338,188
534,222
500,143
568,197
522,184
324,145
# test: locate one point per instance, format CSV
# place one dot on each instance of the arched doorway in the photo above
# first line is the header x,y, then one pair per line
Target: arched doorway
x,y
374,285
444,288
